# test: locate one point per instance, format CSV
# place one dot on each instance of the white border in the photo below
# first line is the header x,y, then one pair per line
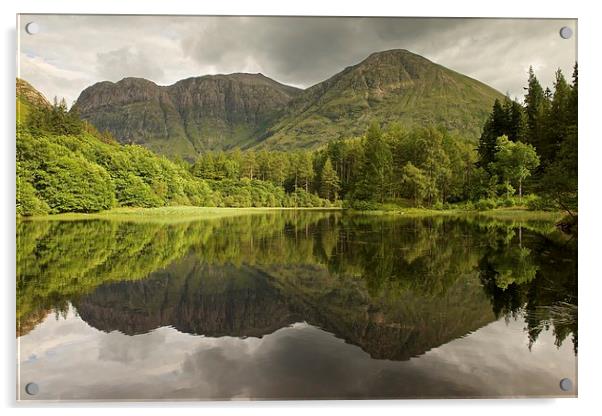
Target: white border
x,y
590,153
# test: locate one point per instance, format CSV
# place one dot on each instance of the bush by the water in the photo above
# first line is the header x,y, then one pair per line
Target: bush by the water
x,y
485,204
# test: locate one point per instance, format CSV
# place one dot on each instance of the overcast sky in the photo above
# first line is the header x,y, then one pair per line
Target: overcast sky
x,y
72,52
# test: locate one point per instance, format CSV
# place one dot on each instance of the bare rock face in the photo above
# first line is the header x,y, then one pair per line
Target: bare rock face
x,y
192,115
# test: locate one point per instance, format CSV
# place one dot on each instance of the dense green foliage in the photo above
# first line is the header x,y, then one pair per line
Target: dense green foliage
x,y
545,124
65,165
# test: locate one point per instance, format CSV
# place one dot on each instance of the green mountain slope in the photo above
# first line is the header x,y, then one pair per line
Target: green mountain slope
x,y
27,98
188,117
389,86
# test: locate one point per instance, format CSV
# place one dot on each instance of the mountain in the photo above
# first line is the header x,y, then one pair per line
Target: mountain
x,y
192,115
27,98
251,110
389,86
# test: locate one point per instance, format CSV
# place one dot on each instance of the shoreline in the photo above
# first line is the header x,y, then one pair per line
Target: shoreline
x,y
189,213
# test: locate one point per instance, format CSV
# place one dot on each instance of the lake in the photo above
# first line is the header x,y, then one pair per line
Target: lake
x,y
295,305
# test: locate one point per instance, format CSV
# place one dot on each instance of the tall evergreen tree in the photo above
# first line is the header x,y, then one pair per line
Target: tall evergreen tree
x,y
329,181
536,103
204,167
516,129
377,167
557,119
306,170
495,126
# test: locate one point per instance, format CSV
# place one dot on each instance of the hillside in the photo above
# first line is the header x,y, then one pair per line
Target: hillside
x,y
390,86
27,98
250,110
190,116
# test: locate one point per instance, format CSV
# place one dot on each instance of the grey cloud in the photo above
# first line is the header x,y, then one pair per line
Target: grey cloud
x,y
128,62
304,51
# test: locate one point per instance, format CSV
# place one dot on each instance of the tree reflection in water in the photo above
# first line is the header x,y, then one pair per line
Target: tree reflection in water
x,y
396,287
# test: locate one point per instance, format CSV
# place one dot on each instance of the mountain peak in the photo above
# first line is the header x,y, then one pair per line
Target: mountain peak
x,y
394,52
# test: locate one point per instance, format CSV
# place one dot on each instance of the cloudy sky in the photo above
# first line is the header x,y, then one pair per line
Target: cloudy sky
x,y
299,361
70,53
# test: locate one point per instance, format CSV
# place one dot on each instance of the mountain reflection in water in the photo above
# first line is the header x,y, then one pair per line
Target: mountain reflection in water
x,y
297,298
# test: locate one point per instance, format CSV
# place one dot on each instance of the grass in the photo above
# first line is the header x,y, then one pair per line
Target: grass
x,y
187,213
519,214
515,214
165,214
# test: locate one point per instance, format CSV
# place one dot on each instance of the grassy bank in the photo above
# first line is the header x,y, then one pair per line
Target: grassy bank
x,y
166,214
521,214
188,213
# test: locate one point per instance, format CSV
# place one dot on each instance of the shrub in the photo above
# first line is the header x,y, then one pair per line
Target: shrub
x,y
28,202
536,203
485,204
133,192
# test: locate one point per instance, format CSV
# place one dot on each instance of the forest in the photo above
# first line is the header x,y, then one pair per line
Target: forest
x,y
526,156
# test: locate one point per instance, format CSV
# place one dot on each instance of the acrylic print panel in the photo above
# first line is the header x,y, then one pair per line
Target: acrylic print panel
x,y
216,208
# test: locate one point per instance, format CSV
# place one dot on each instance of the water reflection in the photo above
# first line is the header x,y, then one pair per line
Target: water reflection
x,y
387,287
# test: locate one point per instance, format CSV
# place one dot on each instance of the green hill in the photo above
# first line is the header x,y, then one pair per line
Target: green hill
x,y
27,98
390,86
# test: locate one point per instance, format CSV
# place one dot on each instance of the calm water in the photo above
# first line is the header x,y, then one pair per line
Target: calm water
x,y
291,305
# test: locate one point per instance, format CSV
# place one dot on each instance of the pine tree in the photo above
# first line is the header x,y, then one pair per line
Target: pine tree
x,y
329,181
377,167
535,105
517,121
558,118
573,103
495,126
306,170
